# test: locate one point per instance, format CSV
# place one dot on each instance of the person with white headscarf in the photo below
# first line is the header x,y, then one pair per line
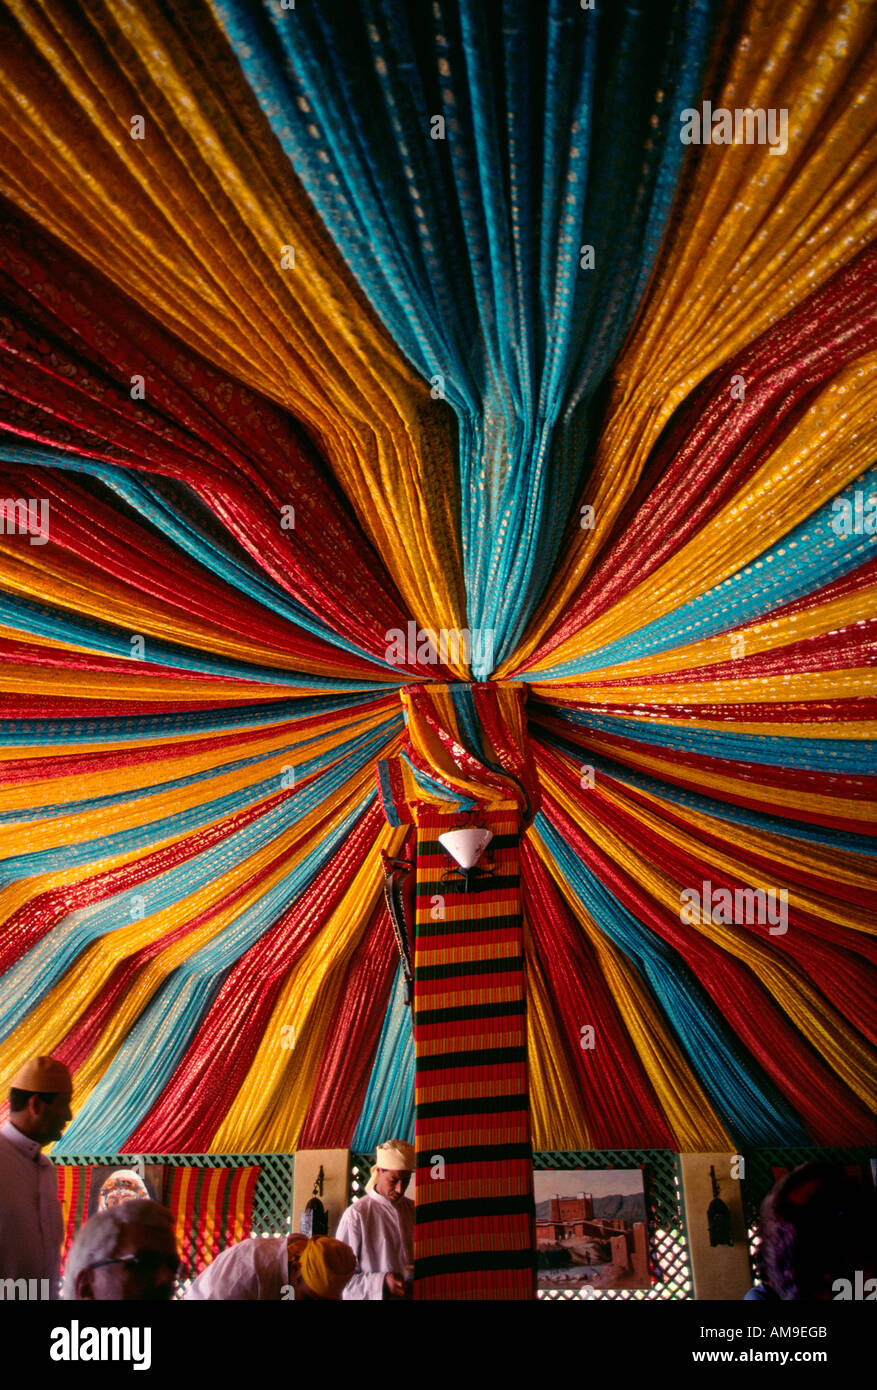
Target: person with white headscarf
x,y
379,1228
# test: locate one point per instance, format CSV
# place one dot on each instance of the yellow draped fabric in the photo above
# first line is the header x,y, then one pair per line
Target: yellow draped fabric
x,y
193,221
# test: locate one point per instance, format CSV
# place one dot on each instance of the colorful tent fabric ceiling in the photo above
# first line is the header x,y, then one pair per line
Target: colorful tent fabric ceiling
x,y
314,355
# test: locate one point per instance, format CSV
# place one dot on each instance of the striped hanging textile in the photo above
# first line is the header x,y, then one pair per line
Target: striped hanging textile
x,y
74,1185
465,760
213,1208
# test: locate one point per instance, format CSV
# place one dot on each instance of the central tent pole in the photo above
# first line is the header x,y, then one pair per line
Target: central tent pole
x,y
465,761
473,1234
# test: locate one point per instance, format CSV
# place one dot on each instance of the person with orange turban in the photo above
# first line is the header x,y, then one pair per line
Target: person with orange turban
x,y
379,1228
31,1225
276,1267
319,1268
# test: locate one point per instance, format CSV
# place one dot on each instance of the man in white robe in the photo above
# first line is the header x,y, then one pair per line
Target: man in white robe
x,y
31,1224
276,1267
379,1228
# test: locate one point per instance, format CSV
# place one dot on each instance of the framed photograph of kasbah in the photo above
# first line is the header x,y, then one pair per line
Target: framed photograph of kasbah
x,y
591,1229
110,1186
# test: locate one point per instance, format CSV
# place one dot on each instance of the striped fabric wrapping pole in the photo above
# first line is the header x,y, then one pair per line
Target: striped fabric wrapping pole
x,y
473,1234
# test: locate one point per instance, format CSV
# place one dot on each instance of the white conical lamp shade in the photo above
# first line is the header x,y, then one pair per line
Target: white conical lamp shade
x,y
466,846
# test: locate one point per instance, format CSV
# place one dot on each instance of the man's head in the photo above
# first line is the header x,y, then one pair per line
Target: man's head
x,y
125,1185
392,1171
319,1268
39,1099
817,1226
127,1252
392,1183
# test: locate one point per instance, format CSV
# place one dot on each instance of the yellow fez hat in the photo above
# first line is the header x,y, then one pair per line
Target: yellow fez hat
x,y
396,1155
42,1074
325,1264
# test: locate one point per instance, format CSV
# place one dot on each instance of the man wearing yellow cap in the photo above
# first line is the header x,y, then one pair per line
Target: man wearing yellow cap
x,y
269,1267
31,1226
379,1228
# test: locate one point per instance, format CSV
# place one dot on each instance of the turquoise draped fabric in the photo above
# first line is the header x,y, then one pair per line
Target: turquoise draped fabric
x,y
388,1108
825,755
469,245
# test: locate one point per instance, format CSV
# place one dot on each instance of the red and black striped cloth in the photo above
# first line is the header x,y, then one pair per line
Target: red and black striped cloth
x,y
473,1235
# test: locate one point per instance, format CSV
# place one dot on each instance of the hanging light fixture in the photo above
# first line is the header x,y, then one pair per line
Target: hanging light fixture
x,y
466,846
